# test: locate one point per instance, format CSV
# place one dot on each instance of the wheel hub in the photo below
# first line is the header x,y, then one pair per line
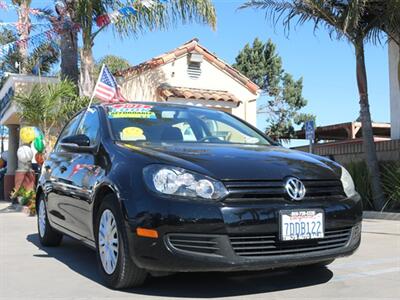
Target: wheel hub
x,y
42,218
108,241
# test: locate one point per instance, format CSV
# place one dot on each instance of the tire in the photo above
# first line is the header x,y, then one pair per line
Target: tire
x,y
47,235
124,273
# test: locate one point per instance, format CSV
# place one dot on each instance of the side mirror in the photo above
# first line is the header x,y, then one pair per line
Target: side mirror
x,y
77,143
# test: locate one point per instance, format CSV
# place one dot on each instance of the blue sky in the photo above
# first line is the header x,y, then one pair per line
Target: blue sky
x,y
327,66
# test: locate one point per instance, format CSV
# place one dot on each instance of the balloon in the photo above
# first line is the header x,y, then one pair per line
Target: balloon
x,y
38,144
27,134
24,154
4,155
39,158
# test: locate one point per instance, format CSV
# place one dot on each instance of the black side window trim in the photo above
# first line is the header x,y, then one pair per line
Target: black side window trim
x,y
65,126
98,137
81,113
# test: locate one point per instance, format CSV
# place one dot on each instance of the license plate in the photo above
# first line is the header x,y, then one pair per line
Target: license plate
x,y
301,225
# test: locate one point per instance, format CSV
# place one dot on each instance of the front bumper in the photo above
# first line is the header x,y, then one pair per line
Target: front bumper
x,y
215,230
165,256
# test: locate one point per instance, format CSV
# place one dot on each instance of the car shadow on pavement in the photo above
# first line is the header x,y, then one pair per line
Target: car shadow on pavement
x,y
194,285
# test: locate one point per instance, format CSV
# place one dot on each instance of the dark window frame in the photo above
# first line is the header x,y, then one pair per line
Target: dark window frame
x,y
98,137
76,117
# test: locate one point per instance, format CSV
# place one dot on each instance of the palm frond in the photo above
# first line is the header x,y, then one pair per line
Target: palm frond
x,y
350,19
162,16
44,57
44,105
387,18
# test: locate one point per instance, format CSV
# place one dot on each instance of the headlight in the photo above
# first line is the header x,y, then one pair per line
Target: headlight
x,y
175,181
348,183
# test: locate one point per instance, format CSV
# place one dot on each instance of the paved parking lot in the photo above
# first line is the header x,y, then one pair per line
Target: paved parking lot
x,y
28,271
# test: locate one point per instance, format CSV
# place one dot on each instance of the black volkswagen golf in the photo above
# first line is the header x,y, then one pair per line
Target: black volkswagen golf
x,y
158,188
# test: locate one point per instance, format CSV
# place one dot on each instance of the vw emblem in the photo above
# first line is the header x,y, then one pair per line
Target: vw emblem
x,y
295,188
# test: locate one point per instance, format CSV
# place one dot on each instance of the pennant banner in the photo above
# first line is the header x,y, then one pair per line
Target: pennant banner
x,y
34,40
33,11
116,15
18,25
66,24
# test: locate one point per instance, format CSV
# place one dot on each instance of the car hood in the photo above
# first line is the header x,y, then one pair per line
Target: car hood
x,y
242,162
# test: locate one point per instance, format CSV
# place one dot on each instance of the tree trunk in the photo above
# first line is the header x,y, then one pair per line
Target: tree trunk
x,y
87,67
69,57
87,61
69,46
367,131
24,30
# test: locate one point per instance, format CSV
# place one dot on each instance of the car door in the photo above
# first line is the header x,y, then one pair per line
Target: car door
x,y
54,167
78,177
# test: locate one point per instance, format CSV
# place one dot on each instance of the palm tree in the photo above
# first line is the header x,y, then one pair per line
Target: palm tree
x,y
68,42
49,106
25,29
357,21
41,59
160,16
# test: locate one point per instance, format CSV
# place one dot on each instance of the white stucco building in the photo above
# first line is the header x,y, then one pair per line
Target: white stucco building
x,y
192,75
394,58
14,84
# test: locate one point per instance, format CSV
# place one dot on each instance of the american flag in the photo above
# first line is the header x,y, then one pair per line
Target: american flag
x,y
107,89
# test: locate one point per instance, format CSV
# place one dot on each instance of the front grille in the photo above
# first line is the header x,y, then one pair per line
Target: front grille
x,y
203,244
244,191
269,245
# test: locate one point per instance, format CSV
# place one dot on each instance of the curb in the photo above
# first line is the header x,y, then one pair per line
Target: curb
x,y
381,215
9,207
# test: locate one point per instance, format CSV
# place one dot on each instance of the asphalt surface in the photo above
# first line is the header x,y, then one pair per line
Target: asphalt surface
x,y
29,271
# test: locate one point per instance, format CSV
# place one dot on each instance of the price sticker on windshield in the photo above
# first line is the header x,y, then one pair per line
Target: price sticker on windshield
x,y
133,111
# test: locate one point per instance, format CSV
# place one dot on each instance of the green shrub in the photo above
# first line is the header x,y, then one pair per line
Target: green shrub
x,y
391,184
390,176
362,181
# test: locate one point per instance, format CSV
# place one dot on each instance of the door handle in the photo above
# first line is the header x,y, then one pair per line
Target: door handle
x,y
63,169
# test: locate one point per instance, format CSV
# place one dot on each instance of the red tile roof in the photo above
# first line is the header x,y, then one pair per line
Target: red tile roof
x,y
191,46
197,94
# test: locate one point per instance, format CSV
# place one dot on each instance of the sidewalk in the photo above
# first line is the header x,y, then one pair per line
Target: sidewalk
x,y
7,207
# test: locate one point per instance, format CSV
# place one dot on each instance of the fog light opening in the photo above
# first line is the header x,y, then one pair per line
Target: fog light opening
x,y
357,231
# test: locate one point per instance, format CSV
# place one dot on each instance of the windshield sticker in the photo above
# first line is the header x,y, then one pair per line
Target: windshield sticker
x,y
251,140
129,110
132,134
131,105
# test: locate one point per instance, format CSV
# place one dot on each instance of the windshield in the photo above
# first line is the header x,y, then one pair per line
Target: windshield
x,y
132,122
